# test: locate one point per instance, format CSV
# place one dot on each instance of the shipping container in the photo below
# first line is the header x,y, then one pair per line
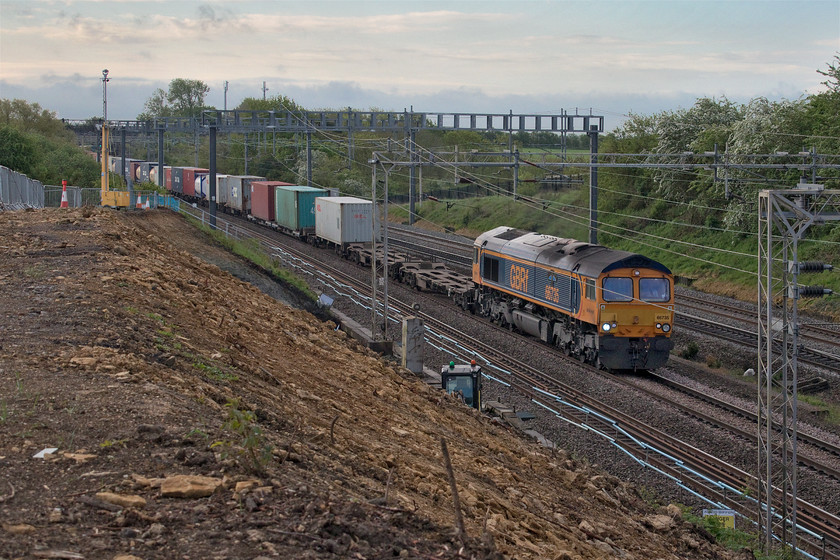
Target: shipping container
x,y
188,179
167,174
134,172
262,199
153,174
343,219
178,180
221,188
128,170
239,192
146,171
294,207
201,189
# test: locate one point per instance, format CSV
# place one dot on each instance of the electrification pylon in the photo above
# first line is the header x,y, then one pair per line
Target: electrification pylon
x,y
784,215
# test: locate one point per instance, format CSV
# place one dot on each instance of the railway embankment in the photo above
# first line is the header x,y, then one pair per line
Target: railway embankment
x,y
156,406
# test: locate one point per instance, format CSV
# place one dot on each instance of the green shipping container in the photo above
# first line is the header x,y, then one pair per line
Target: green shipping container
x,y
294,207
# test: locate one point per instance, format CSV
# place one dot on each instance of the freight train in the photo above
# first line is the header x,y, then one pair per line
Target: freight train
x,y
608,308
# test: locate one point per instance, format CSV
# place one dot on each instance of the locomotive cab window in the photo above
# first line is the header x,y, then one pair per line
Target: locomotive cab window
x,y
590,288
618,289
475,255
654,289
491,269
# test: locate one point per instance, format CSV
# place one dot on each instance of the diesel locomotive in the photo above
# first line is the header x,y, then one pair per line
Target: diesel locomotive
x,y
609,308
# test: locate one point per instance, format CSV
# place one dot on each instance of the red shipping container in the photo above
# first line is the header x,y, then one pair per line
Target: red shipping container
x,y
262,198
189,179
167,173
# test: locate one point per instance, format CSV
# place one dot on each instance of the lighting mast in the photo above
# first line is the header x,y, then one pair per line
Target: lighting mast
x,y
105,81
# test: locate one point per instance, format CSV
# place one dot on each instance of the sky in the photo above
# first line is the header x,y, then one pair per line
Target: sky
x,y
609,58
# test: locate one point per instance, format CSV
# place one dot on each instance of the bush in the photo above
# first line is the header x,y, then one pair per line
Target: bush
x,y
690,352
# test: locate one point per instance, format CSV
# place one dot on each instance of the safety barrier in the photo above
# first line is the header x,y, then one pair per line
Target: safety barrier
x,y
17,191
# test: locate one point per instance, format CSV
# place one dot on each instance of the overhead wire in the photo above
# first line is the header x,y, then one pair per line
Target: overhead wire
x,y
483,181
575,219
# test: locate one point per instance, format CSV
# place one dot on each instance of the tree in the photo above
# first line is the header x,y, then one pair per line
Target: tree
x,y
822,110
276,103
185,98
833,75
155,106
28,117
17,152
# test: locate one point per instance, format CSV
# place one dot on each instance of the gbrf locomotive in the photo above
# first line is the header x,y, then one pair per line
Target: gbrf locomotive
x,y
609,308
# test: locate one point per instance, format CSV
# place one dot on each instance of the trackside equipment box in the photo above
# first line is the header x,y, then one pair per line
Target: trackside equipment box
x,y
344,219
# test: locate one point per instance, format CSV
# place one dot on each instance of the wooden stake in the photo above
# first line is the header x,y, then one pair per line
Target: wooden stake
x,y
459,520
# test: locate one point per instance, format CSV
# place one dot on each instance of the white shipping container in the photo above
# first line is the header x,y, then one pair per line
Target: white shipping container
x,y
201,186
343,219
221,188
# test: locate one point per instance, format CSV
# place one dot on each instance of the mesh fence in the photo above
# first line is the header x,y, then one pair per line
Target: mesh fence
x,y
76,196
19,191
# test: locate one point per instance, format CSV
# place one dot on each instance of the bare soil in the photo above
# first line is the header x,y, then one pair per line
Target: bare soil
x,y
128,345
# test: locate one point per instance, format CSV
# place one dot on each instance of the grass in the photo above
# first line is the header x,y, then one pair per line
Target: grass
x,y
693,244
248,445
214,372
251,250
833,411
734,539
156,317
34,272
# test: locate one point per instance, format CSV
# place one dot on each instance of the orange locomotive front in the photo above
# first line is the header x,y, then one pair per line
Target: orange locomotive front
x,y
610,308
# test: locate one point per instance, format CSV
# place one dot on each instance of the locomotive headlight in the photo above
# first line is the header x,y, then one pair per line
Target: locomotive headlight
x,y
614,325
658,325
606,327
666,327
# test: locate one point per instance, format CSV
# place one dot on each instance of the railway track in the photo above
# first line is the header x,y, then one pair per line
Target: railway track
x,y
454,252
820,346
808,444
719,483
747,314
726,331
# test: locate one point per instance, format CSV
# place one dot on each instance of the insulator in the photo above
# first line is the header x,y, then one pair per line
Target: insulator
x,y
814,266
814,291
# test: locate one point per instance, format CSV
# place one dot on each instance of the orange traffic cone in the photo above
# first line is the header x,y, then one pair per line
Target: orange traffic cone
x,y
139,202
64,203
147,206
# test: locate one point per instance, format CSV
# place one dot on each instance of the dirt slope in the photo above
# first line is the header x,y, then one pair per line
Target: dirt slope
x,y
127,353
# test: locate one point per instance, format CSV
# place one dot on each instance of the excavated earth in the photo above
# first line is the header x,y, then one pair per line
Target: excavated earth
x,y
192,414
